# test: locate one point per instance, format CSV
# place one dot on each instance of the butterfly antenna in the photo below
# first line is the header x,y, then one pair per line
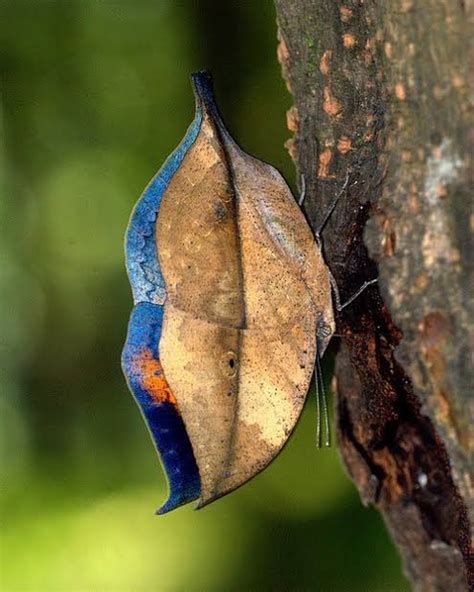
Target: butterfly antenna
x,y
323,432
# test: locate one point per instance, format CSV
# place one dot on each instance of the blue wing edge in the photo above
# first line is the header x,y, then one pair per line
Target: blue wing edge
x,y
140,356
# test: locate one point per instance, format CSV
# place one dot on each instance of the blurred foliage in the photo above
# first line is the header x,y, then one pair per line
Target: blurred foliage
x,y
94,95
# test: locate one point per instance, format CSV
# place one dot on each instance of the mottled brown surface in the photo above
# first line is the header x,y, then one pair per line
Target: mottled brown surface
x,y
381,91
247,294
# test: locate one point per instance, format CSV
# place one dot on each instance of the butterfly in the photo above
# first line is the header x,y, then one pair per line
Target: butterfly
x,y
232,310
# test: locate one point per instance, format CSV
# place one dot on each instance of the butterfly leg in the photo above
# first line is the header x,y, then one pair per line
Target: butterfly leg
x,y
337,297
303,190
145,377
330,209
318,235
323,432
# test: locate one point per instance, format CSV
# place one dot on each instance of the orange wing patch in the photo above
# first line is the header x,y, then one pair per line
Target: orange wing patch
x,y
152,377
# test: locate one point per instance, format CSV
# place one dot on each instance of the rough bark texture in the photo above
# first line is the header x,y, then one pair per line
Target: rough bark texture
x,y
380,93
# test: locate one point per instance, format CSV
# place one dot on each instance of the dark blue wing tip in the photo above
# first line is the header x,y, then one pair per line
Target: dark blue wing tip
x,y
176,501
168,506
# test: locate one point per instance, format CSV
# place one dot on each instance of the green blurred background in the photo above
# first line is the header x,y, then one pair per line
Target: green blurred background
x,y
94,96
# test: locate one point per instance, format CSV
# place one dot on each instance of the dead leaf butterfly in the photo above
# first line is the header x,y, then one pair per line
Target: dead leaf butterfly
x,y
232,304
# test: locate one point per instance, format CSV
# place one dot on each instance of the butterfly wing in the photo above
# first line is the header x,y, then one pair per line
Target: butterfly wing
x,y
246,289
145,377
140,357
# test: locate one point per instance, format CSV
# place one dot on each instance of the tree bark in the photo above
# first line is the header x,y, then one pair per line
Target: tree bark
x,y
381,98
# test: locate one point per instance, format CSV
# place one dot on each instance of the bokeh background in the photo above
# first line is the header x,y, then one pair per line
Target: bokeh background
x,y
94,95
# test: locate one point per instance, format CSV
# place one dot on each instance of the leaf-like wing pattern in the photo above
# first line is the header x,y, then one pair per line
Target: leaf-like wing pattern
x,y
246,292
230,294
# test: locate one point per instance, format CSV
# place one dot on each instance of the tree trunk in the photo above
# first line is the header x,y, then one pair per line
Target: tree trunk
x,y
381,100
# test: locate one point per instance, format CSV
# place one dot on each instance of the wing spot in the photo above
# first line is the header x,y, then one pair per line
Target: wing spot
x,y
229,364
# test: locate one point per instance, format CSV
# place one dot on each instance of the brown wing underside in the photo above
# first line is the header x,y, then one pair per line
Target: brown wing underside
x,y
245,285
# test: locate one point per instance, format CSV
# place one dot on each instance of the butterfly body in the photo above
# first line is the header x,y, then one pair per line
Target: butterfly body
x,y
246,296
